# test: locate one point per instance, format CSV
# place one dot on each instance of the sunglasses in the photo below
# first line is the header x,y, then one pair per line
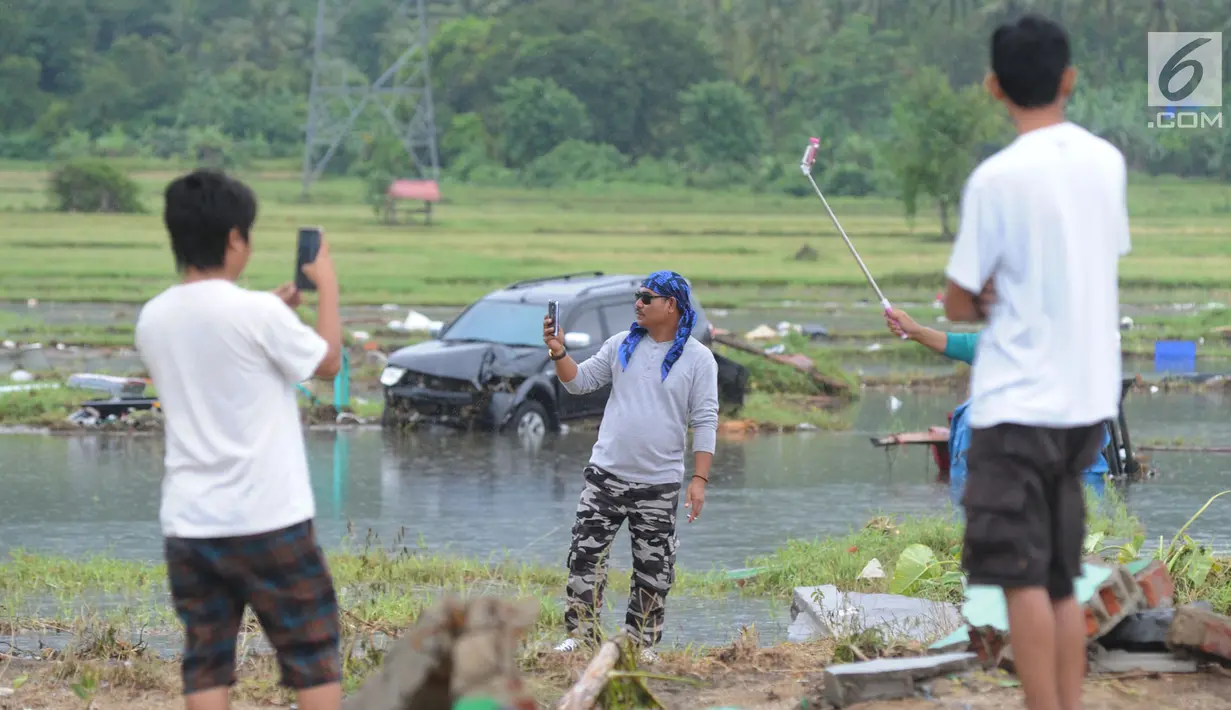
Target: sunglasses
x,y
646,297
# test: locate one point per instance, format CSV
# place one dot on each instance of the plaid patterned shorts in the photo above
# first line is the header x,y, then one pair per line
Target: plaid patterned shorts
x,y
283,576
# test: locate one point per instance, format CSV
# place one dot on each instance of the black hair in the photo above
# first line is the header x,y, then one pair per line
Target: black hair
x,y
1029,57
200,210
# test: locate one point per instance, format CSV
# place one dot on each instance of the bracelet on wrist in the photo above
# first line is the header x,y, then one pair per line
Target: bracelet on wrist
x,y
703,478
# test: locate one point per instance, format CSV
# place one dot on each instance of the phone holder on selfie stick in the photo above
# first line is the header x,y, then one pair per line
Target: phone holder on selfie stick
x,y
805,166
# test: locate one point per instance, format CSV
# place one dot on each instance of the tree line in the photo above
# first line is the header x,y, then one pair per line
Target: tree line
x,y
541,92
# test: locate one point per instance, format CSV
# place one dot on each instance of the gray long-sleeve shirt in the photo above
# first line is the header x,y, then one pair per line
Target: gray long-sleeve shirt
x,y
645,425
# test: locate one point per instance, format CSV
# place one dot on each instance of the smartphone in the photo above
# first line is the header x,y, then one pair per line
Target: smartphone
x,y
553,312
309,246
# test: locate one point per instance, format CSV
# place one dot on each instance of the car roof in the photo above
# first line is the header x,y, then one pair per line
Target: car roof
x,y
568,288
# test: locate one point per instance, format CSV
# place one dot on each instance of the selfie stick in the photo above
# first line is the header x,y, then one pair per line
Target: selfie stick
x,y
805,165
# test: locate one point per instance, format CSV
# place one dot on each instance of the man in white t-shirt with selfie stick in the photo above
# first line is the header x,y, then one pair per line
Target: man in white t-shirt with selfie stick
x,y
1043,224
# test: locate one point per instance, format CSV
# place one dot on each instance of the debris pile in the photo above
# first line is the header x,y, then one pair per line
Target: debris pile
x,y
1132,626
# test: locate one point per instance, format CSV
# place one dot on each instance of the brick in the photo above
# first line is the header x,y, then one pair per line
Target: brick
x,y
1202,631
1114,600
1156,585
888,678
1116,597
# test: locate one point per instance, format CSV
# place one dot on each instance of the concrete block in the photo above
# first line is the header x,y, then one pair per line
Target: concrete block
x,y
1128,662
888,678
838,613
1202,631
1113,601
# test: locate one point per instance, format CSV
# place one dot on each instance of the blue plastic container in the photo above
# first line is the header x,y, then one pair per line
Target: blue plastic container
x,y
1175,356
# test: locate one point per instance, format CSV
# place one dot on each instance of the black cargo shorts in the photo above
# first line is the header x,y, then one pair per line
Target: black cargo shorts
x,y
1025,506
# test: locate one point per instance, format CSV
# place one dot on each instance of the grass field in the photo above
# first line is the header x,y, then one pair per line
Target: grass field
x,y
738,248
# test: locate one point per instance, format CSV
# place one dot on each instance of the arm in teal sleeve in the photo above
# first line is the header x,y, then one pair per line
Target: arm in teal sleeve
x,y
961,346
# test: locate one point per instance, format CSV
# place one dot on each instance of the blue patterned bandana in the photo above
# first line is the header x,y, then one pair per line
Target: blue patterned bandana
x,y
664,283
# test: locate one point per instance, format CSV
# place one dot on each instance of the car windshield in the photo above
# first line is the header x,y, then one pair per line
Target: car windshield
x,y
500,322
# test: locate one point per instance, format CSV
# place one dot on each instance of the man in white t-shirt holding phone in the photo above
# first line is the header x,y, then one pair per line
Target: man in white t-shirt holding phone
x,y
237,504
1043,224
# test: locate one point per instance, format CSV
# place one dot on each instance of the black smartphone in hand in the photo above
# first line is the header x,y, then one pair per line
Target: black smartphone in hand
x,y
308,247
553,312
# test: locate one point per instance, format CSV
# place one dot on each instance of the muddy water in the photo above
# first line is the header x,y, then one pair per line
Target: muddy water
x,y
478,495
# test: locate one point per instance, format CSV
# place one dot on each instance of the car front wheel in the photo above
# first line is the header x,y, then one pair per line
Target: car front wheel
x,y
530,419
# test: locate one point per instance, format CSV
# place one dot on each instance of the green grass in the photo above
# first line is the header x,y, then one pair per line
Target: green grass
x,y
386,589
839,560
737,248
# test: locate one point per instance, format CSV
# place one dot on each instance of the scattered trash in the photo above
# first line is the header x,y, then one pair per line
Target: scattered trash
x,y
806,426
4,389
415,322
872,348
21,376
361,335
894,403
10,345
785,328
776,349
31,302
390,307
761,332
1126,323
117,387
872,570
815,332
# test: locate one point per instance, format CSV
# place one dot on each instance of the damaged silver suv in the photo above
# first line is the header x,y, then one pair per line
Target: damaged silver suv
x,y
488,367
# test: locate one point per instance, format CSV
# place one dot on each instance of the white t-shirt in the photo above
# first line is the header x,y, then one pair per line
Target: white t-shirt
x,y
225,362
1046,218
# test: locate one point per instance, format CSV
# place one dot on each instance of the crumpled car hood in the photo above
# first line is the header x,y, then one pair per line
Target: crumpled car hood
x,y
469,361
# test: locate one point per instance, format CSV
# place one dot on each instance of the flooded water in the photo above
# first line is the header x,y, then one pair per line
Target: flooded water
x,y
480,495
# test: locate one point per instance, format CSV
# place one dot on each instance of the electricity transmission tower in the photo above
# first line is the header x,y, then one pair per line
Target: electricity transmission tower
x,y
341,94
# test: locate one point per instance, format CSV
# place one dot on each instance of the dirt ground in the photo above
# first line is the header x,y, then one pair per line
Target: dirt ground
x,y
785,677
757,691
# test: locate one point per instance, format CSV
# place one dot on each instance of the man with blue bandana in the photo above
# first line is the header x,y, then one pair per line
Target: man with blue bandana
x,y
663,382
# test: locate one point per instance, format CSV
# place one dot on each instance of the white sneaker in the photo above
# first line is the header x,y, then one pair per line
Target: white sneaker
x,y
568,645
649,656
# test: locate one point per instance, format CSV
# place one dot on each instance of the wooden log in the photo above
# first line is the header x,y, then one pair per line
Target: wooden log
x,y
829,385
934,435
585,692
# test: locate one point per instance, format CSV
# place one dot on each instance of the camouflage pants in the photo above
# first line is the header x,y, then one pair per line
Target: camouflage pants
x,y
650,510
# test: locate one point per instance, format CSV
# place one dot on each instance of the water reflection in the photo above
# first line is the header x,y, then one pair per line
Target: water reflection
x,y
477,495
